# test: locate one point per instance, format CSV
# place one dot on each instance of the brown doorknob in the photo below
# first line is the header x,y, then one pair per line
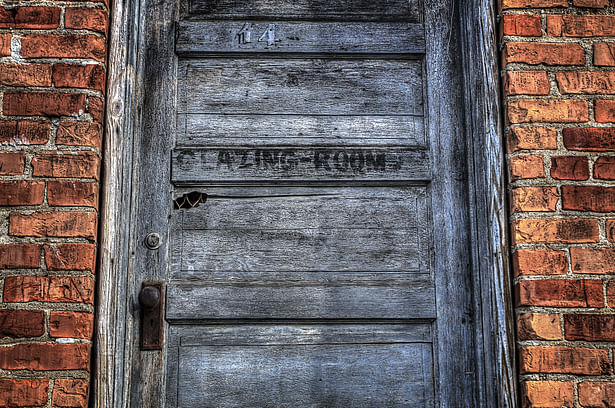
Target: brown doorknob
x,y
149,297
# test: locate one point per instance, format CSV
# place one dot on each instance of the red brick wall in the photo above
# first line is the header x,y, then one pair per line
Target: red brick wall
x,y
52,80
558,58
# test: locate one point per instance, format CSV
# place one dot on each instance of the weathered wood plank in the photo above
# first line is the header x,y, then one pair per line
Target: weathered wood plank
x,y
331,375
204,38
302,333
300,130
301,86
193,166
349,10
410,298
326,209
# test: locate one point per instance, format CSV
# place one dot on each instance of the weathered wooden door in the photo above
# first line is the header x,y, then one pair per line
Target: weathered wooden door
x,y
304,164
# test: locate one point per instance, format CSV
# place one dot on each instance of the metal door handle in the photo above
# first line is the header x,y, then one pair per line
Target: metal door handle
x,y
151,299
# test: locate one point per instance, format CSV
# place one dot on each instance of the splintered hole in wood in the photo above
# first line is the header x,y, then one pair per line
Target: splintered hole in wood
x,y
189,200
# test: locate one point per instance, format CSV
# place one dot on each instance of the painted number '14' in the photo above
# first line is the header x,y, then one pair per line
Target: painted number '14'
x,y
244,35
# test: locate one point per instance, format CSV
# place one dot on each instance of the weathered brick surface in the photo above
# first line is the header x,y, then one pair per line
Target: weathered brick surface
x,y
526,166
570,168
63,46
547,394
564,360
70,257
53,224
562,223
604,54
14,193
70,393
45,357
547,110
560,293
538,326
17,256
52,98
66,164
22,323
605,111
534,199
532,138
71,325
23,392
597,394
539,262
68,289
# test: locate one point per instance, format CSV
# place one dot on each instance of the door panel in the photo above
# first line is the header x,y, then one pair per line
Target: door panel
x,y
319,271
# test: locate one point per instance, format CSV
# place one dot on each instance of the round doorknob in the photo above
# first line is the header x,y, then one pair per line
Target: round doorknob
x,y
149,297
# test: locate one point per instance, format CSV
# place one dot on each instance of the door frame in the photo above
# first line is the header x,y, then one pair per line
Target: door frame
x,y
493,316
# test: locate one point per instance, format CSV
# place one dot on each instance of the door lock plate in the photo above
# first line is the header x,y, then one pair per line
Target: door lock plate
x,y
151,299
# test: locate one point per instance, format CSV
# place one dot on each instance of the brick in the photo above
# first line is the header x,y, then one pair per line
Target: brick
x,y
71,325
45,357
63,46
79,134
53,224
605,111
604,54
24,132
588,198
22,193
591,3
25,74
5,45
72,193
96,108
560,293
610,293
12,163
30,17
559,230
527,83
534,199
589,139
610,230
20,256
564,360
70,257
66,164
22,323
547,394
604,168
539,262
538,326
597,394
508,4
525,167
85,18
90,76
23,392
570,168
523,25
575,82
581,25
51,289
547,110
590,327
535,53
33,133
532,138
45,104
70,393
593,260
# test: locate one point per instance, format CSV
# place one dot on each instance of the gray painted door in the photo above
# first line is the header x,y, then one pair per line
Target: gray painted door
x,y
303,165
